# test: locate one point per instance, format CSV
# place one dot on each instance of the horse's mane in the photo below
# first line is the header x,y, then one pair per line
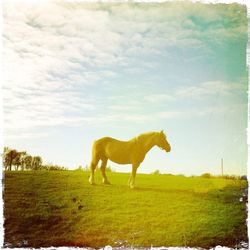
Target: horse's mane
x,y
143,135
147,134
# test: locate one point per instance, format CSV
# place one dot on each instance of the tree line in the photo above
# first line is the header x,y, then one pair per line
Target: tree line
x,y
21,160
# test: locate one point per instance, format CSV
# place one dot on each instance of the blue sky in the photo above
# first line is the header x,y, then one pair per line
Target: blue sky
x,y
75,72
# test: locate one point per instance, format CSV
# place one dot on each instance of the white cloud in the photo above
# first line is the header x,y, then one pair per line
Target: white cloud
x,y
53,52
212,88
169,114
158,98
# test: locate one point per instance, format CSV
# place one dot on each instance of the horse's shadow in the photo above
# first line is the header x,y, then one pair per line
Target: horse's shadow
x,y
161,190
150,189
125,187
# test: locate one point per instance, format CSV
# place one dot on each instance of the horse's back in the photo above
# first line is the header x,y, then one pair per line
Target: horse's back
x,y
113,149
103,141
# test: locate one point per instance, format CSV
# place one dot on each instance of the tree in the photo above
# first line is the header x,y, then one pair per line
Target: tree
x,y
22,160
9,156
27,160
12,157
36,163
17,161
5,159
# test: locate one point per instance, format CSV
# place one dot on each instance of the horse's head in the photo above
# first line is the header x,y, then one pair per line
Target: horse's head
x,y
162,142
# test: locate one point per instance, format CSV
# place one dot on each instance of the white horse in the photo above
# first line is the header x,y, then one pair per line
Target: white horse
x,y
125,152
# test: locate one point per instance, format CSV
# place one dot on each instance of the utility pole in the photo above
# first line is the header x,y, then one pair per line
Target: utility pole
x,y
222,167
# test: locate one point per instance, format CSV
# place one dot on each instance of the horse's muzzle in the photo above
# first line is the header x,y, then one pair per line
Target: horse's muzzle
x,y
168,149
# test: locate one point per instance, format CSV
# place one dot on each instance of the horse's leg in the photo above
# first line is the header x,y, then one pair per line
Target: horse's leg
x,y
133,174
103,171
93,165
129,180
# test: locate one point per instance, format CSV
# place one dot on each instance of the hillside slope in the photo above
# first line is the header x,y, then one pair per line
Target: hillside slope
x,y
60,208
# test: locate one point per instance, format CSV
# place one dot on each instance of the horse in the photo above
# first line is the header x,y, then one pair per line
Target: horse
x,y
125,152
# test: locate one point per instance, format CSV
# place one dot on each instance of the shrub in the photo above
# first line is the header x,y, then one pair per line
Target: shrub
x,y
109,169
53,167
80,168
206,175
230,177
156,172
243,177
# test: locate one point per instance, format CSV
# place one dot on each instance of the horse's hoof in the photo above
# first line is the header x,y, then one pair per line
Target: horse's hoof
x,y
91,182
106,183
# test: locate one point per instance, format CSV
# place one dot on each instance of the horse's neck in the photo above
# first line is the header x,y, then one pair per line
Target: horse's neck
x,y
147,142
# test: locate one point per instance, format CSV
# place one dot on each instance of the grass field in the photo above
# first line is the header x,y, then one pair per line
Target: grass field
x,y
60,208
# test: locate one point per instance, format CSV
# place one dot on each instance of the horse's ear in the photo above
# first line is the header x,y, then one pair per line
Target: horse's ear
x,y
162,132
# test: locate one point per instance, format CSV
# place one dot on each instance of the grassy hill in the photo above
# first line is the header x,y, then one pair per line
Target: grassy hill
x,y
60,208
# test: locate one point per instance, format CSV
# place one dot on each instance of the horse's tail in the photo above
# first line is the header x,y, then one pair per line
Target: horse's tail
x,y
98,149
94,150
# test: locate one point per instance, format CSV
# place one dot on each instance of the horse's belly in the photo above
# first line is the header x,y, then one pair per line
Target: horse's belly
x,y
119,160
118,154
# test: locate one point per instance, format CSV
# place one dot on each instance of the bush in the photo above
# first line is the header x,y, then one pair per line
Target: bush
x,y
243,177
206,175
156,172
53,167
81,168
230,177
109,169
181,175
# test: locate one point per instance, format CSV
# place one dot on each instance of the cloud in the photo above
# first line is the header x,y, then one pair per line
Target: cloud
x,y
212,88
158,98
13,135
59,56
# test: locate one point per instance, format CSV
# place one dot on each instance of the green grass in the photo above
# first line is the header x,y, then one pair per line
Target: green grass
x,y
60,208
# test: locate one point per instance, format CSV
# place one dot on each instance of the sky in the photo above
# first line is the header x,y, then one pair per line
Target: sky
x,y
75,72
